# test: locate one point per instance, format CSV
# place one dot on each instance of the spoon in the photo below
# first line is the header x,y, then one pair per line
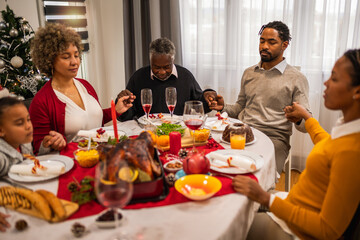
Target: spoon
x,y
89,144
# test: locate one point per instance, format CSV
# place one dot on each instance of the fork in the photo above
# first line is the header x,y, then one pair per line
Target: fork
x,y
223,175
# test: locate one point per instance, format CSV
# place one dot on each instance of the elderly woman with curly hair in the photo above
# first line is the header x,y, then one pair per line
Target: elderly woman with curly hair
x,y
65,104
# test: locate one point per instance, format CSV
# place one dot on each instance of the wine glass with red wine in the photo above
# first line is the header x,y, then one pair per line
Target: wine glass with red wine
x,y
171,98
113,187
193,116
146,100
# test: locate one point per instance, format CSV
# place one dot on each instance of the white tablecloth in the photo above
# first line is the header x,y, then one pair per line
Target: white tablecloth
x,y
224,217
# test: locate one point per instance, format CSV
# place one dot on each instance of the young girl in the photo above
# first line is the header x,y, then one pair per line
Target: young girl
x,y
16,133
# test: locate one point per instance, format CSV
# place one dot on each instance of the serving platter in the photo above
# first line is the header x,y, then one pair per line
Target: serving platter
x,y
45,160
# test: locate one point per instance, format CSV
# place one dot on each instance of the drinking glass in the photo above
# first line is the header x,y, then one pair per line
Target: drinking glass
x,y
171,98
237,140
193,116
113,187
146,100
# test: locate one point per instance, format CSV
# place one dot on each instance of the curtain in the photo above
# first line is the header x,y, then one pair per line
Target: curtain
x,y
105,60
220,40
145,21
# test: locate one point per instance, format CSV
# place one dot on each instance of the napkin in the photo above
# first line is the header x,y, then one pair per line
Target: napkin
x,y
26,170
86,133
233,161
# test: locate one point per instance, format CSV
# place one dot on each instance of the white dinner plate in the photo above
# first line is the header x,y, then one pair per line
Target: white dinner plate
x,y
109,132
257,159
166,118
211,120
45,160
246,144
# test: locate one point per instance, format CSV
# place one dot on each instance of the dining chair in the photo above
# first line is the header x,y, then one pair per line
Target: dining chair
x,y
287,170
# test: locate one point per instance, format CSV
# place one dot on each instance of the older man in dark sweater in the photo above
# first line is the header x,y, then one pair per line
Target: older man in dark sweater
x,y
163,73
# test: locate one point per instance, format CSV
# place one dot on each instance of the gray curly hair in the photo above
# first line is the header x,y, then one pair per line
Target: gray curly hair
x,y
162,46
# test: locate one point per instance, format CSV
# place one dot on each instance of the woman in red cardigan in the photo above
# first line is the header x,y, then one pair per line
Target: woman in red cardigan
x,y
324,201
65,104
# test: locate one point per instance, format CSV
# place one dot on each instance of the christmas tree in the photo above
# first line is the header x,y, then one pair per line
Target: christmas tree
x,y
17,71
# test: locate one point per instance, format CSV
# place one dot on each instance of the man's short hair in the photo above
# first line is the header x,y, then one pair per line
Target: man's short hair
x,y
162,46
283,30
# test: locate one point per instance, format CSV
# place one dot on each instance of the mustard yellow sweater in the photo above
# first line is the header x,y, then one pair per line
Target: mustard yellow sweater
x,y
323,202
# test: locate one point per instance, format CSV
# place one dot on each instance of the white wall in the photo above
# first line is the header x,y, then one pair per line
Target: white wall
x,y
105,68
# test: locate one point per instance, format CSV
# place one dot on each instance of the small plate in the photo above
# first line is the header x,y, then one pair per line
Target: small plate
x,y
166,118
104,137
166,166
45,160
246,144
108,224
254,157
211,120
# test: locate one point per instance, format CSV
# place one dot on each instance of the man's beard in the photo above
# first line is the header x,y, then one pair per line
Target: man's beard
x,y
267,58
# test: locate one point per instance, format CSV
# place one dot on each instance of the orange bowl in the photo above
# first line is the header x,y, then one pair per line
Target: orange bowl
x,y
87,158
198,186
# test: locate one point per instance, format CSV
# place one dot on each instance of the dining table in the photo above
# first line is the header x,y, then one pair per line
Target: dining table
x,y
227,216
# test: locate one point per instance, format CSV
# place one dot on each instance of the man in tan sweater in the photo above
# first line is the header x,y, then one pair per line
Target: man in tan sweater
x,y
268,87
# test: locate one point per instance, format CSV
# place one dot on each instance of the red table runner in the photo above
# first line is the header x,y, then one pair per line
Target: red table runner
x,y
173,197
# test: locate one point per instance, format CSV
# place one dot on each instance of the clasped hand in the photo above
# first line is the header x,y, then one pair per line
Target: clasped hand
x,y
215,101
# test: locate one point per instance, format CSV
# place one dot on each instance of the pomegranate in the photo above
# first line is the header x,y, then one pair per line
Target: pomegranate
x,y
196,163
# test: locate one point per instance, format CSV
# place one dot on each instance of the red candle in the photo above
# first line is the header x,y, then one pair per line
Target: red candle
x,y
113,116
175,142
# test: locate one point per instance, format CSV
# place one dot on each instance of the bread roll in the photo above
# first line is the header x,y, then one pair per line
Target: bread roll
x,y
37,201
54,203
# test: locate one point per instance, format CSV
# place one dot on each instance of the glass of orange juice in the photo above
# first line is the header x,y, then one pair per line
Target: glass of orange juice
x,y
237,140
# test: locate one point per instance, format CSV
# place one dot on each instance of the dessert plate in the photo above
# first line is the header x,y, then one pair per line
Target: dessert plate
x,y
246,144
219,125
158,120
45,160
107,132
216,165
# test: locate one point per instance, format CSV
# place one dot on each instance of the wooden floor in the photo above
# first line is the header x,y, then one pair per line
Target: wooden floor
x,y
280,186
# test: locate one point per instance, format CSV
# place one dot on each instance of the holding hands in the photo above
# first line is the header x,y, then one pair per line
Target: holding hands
x,y
296,112
125,99
216,102
54,140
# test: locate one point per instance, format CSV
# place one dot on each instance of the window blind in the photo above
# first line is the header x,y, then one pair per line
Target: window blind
x,y
71,13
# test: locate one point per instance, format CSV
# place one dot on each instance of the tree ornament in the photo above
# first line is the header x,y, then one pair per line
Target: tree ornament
x,y
2,64
2,25
3,46
26,28
38,77
17,62
13,32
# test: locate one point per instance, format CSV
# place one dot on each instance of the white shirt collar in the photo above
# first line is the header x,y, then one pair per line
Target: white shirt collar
x,y
342,129
174,72
280,66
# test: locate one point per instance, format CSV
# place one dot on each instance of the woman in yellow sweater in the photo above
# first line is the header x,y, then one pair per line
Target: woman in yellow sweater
x,y
323,202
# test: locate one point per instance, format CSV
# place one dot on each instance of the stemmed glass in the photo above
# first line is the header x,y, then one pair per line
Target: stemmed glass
x,y
194,116
146,100
113,187
171,98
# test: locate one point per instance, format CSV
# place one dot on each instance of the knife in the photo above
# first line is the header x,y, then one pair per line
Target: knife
x,y
12,183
